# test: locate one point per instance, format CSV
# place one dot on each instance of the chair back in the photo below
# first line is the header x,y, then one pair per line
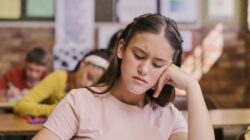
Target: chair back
x,y
241,136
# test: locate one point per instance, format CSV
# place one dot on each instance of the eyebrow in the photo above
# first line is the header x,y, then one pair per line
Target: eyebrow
x,y
156,58
138,49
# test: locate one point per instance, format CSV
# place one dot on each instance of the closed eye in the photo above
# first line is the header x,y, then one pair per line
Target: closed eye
x,y
157,65
138,56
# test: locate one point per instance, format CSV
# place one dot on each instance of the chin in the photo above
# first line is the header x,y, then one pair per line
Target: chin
x,y
137,90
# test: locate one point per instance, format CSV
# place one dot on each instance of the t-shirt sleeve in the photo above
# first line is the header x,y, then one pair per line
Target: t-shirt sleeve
x,y
180,122
64,119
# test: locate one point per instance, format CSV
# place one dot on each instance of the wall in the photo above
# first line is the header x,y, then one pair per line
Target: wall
x,y
16,41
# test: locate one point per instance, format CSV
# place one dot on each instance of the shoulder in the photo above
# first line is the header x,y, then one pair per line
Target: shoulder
x,y
83,100
58,74
81,95
16,70
81,92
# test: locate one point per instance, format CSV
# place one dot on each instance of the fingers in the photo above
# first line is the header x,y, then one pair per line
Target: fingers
x,y
13,92
161,82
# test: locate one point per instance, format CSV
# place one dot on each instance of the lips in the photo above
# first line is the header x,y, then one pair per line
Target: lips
x,y
140,79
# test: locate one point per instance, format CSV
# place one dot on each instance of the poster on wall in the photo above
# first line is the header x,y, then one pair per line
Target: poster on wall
x,y
10,9
221,9
127,10
74,27
40,8
182,11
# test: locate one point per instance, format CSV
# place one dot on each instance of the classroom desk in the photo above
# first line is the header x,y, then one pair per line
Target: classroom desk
x,y
11,124
221,118
224,118
7,105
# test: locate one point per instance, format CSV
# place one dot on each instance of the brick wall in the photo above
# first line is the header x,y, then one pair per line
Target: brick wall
x,y
16,41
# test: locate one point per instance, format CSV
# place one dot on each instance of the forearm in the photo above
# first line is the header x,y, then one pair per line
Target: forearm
x,y
36,109
199,123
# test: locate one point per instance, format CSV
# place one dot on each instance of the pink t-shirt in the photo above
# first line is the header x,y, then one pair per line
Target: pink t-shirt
x,y
82,115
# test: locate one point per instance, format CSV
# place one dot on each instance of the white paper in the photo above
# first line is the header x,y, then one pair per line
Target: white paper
x,y
220,9
74,31
127,10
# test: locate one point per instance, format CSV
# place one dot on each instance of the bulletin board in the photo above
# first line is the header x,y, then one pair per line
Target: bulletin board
x,y
185,12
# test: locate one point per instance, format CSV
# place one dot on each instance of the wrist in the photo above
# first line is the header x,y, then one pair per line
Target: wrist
x,y
193,85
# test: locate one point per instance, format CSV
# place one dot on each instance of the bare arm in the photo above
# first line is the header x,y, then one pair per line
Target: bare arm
x,y
199,124
45,134
198,118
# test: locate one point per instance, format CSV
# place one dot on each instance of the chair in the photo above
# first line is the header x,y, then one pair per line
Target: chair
x,y
241,136
180,102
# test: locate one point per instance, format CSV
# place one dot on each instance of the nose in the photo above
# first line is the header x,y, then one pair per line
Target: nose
x,y
143,68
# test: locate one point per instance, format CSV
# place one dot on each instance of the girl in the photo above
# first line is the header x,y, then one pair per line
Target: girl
x,y
42,99
131,101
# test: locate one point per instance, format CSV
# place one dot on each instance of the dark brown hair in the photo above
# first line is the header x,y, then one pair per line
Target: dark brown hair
x,y
151,23
38,56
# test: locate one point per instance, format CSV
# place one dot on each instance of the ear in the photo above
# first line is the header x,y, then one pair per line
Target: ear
x,y
120,49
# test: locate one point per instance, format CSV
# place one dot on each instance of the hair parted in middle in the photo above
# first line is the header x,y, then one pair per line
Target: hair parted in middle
x,y
147,23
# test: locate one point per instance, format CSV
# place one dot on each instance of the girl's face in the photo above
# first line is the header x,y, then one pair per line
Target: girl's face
x,y
143,61
87,74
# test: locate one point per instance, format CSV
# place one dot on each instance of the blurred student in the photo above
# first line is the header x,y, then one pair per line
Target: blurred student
x,y
19,79
42,99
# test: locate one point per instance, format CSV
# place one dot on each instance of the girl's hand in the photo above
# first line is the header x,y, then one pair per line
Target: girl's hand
x,y
176,77
13,94
24,92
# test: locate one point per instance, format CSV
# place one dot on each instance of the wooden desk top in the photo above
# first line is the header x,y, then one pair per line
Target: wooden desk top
x,y
13,124
222,118
4,105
